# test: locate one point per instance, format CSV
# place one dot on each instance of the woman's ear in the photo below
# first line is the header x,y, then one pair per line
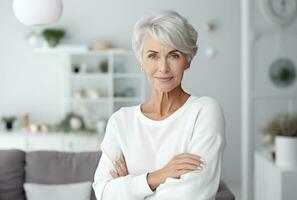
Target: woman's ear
x,y
188,65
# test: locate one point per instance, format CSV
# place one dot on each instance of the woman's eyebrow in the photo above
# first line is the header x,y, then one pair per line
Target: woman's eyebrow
x,y
151,51
173,51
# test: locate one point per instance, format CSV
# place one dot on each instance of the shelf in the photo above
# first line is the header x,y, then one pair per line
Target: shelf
x,y
81,50
58,141
63,49
79,88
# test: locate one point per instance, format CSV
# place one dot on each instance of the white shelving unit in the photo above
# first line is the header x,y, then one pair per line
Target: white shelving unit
x,y
273,182
123,74
57,141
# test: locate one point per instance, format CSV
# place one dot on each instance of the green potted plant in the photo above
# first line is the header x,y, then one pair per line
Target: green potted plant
x,y
71,122
103,66
8,121
53,36
282,131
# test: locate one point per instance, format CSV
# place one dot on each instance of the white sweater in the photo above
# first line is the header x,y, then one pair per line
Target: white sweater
x,y
197,127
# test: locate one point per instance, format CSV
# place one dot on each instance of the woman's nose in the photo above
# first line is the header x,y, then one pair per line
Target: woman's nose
x,y
163,65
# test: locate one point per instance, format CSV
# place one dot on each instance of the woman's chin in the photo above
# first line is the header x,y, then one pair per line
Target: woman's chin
x,y
164,88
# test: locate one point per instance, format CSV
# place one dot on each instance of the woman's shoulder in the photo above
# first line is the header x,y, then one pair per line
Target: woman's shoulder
x,y
206,102
125,112
210,112
206,106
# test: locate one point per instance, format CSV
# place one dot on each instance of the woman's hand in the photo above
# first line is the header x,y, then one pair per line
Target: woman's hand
x,y
183,163
121,168
177,166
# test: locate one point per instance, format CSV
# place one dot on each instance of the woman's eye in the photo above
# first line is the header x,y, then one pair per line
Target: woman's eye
x,y
174,56
153,56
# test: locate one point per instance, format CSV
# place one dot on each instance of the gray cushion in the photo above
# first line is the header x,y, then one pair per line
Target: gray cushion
x,y
12,174
224,193
53,167
72,191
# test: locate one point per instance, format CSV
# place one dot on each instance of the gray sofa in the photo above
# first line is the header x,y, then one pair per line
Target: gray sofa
x,y
53,167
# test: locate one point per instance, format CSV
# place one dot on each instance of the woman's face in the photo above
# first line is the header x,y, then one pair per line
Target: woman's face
x,y
164,66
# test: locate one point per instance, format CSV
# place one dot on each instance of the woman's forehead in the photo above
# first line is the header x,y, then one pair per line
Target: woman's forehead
x,y
151,43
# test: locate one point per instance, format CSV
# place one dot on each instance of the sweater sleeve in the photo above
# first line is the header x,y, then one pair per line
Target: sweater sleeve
x,y
208,141
125,188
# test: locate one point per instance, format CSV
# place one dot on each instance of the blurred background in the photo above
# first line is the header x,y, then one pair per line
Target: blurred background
x,y
70,76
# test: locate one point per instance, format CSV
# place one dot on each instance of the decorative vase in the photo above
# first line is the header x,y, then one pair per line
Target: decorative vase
x,y
286,152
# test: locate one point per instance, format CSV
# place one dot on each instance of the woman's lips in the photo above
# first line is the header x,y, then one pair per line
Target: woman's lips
x,y
164,79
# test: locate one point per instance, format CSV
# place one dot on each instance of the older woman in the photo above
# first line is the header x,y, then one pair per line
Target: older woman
x,y
171,146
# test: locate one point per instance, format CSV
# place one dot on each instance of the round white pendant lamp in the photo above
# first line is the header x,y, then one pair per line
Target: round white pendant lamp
x,y
37,12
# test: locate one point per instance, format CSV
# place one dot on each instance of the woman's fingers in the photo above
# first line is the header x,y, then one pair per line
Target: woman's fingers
x,y
184,163
123,165
191,156
190,161
185,166
120,167
113,174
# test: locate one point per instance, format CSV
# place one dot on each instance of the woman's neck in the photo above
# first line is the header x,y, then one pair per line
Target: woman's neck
x,y
162,104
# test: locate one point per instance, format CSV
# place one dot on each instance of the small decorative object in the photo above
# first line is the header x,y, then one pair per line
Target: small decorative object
x,y
75,123
71,122
103,66
210,52
129,92
43,128
8,121
282,72
33,128
209,27
283,133
78,95
25,121
101,45
53,36
118,94
92,94
37,12
38,128
76,68
34,38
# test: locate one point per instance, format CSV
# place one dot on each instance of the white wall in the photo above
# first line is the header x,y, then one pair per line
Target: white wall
x,y
31,83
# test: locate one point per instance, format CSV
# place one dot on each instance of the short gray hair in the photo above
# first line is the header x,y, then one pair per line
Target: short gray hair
x,y
170,28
